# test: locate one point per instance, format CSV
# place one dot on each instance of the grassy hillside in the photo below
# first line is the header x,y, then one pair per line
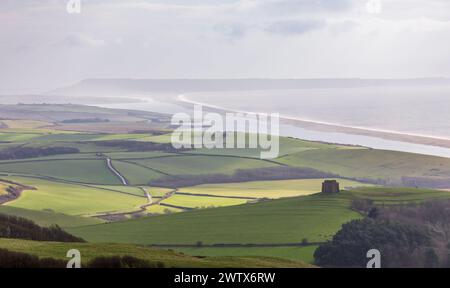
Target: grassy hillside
x,y
315,217
304,254
397,196
201,165
370,163
169,258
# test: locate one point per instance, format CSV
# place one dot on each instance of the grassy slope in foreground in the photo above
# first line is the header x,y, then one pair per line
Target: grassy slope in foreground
x,y
290,220
305,254
169,258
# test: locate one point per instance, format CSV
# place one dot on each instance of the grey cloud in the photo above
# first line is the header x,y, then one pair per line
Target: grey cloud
x,y
294,27
307,6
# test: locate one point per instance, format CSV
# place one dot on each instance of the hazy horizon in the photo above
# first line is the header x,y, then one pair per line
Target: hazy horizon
x,y
44,47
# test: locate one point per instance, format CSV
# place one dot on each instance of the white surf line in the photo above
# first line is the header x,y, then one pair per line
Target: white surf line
x,y
111,167
183,98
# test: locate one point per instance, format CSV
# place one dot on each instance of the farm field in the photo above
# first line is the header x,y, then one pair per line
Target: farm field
x,y
266,189
201,165
287,146
83,171
137,190
16,137
136,174
160,209
24,124
169,258
201,202
73,199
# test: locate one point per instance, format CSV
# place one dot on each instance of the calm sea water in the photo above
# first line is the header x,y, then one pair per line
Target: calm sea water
x,y
417,110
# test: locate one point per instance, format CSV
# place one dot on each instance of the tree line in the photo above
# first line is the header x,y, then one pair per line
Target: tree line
x,y
12,259
21,228
34,152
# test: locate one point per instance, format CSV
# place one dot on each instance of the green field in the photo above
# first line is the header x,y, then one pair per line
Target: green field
x,y
17,137
85,171
202,202
370,163
138,191
73,199
202,165
159,209
396,196
266,189
169,258
136,174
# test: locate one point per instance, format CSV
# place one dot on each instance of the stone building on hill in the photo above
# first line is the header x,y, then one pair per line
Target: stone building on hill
x,y
330,187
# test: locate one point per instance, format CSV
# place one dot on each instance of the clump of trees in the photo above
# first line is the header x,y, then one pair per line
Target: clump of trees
x,y
400,245
20,228
10,259
139,146
409,235
34,152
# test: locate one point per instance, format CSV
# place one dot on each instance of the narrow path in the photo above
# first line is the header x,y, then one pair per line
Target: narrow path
x,y
111,167
149,197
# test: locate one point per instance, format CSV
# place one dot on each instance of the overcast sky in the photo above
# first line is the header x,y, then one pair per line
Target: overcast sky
x,y
43,47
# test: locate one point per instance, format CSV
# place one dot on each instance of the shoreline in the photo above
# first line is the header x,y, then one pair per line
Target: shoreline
x,y
441,142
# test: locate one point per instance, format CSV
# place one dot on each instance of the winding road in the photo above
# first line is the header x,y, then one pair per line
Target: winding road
x,y
111,167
